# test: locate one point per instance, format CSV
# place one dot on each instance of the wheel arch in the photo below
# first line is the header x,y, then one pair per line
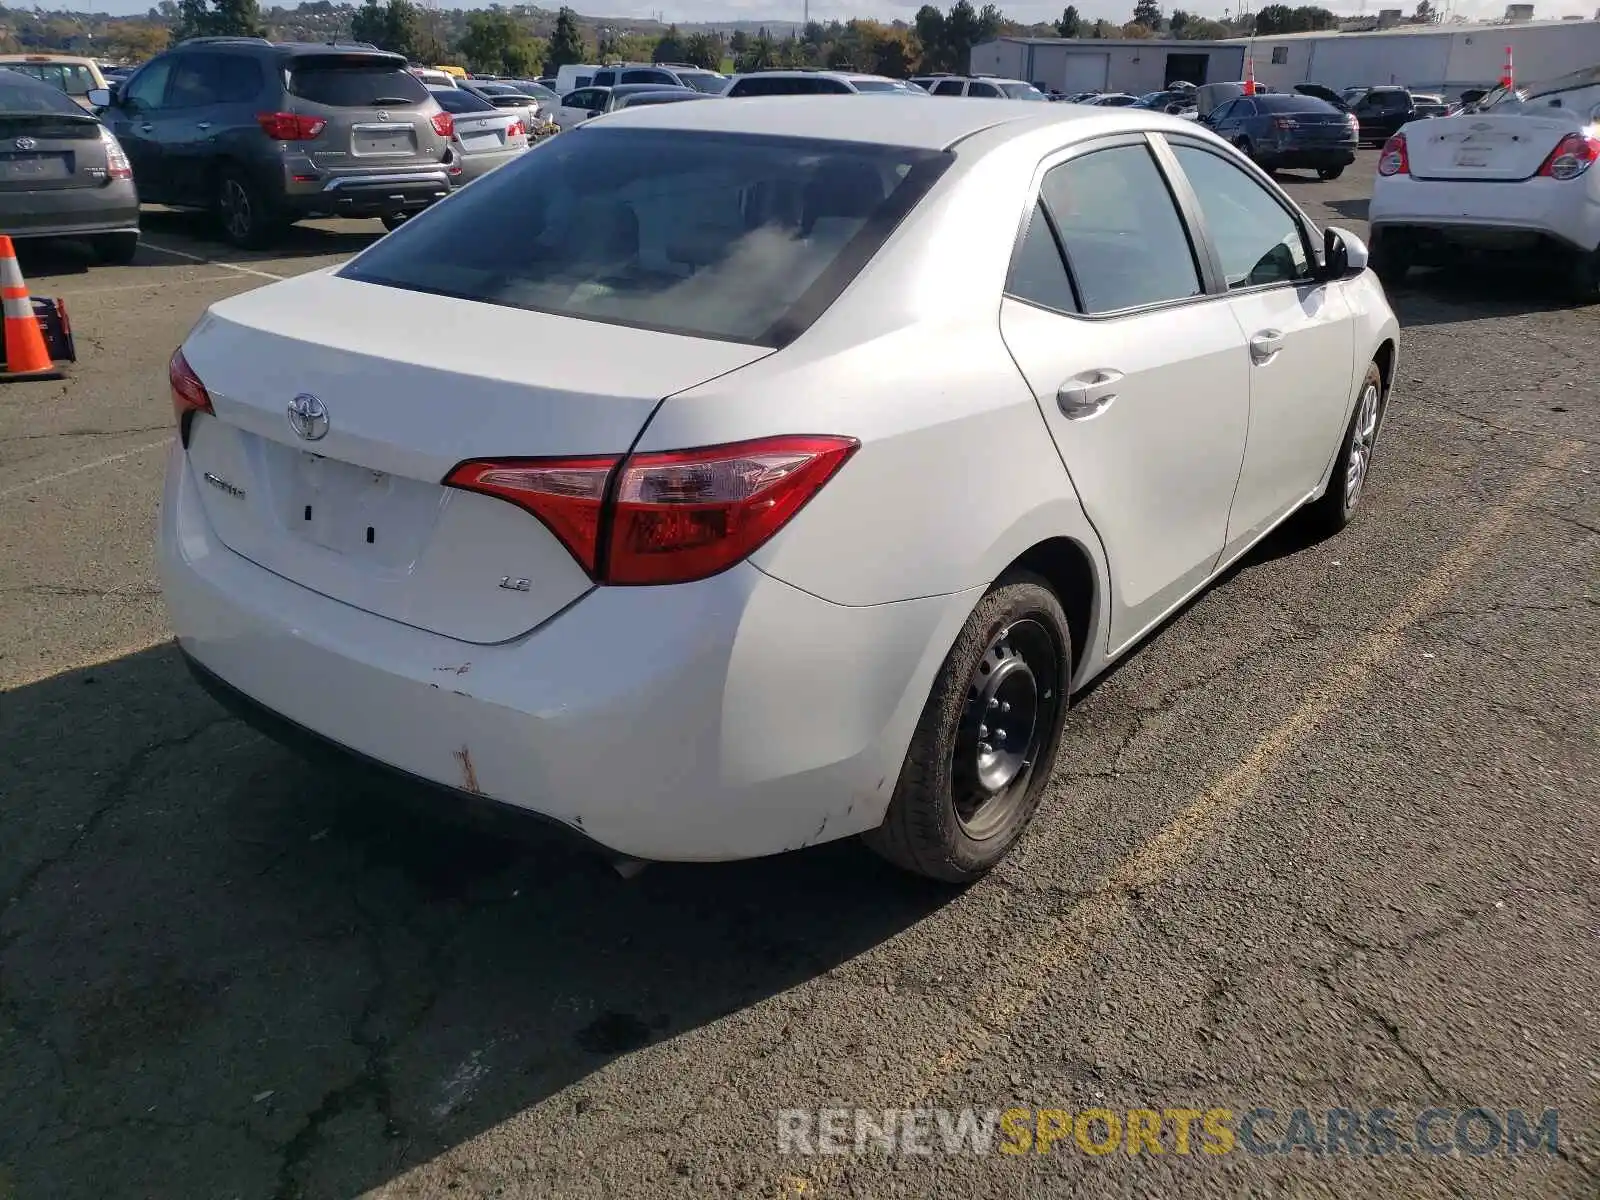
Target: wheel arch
x,y
1073,575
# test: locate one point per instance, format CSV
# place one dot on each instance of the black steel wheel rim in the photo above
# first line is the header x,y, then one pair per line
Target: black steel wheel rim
x,y
1013,696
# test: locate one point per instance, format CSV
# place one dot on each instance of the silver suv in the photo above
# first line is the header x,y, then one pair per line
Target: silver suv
x,y
264,133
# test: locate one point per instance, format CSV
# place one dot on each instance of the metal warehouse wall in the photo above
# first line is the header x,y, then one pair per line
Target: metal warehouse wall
x,y
1104,65
1446,62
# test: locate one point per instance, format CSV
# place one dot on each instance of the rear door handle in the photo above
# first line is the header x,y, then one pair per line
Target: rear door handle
x,y
1265,345
1087,395
203,125
146,128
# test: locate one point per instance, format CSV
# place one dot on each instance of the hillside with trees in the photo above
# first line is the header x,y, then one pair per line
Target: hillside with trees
x,y
525,40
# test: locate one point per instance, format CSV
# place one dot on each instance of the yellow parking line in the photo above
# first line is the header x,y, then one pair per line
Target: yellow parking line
x,y
1064,938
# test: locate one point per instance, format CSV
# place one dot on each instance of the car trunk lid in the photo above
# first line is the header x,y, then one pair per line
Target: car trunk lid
x,y
50,151
413,384
479,132
1480,146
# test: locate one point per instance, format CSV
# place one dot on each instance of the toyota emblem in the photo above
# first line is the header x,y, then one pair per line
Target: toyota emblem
x,y
382,115
26,143
308,417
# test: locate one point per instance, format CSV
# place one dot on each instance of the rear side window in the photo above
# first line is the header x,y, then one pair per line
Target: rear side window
x,y
354,82
1038,274
703,81
1125,242
786,85
647,76
950,87
986,90
743,238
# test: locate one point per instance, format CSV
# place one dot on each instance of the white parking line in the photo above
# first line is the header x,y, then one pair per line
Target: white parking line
x,y
210,261
81,468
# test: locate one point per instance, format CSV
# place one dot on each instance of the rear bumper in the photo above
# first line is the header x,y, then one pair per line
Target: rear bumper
x,y
1337,155
1566,212
367,193
730,718
71,212
476,166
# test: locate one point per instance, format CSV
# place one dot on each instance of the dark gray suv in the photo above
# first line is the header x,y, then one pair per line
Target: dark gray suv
x,y
264,133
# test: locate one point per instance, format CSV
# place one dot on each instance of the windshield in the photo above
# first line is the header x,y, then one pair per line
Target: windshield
x,y
1022,91
75,79
739,237
886,85
1277,102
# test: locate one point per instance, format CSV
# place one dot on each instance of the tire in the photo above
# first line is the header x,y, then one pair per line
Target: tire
x,y
1583,277
1329,172
248,217
956,810
1244,148
1391,257
116,249
1337,507
393,221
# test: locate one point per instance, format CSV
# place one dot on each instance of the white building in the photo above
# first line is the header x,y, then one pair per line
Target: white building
x,y
1103,64
1428,58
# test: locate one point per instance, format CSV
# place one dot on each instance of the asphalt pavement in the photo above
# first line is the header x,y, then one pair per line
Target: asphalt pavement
x,y
1328,841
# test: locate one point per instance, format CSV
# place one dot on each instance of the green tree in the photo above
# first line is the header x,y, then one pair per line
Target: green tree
x,y
1102,29
930,30
566,43
1274,18
738,43
229,18
670,48
1147,13
393,26
497,44
1070,24
1177,21
193,20
704,50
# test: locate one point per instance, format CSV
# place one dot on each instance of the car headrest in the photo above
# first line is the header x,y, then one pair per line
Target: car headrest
x,y
852,190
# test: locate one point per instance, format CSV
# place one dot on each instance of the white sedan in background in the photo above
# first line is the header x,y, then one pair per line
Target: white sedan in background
x,y
1516,175
778,481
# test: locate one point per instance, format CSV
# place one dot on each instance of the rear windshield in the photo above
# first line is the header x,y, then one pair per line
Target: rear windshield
x,y
786,85
459,100
354,82
18,97
704,81
75,79
1278,102
738,237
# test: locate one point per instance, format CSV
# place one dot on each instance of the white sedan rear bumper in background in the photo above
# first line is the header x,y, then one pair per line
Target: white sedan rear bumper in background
x,y
1566,210
729,718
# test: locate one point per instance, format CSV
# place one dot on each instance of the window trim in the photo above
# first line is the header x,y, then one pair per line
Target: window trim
x,y
1183,201
1163,149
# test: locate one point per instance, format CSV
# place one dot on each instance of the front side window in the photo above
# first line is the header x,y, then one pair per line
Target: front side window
x,y
147,90
1120,228
193,82
1257,239
743,238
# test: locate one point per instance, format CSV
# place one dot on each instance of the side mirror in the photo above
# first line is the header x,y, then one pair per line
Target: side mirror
x,y
1344,255
595,112
99,97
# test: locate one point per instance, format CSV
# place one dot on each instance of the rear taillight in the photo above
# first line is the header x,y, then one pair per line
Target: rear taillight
x,y
515,129
668,517
290,127
1394,160
1573,155
189,395
443,124
117,164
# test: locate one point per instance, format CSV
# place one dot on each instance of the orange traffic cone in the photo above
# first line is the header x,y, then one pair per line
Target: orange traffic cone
x,y
1249,75
1506,76
26,353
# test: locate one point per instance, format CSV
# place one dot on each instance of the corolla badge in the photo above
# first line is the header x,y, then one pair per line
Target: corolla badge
x,y
308,417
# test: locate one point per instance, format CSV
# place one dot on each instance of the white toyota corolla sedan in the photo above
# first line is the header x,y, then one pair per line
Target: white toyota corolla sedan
x,y
720,479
